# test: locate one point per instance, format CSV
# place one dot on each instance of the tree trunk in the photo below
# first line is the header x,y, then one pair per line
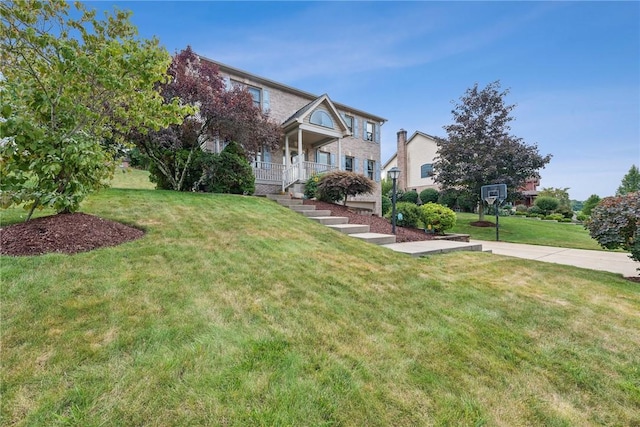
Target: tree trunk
x,y
480,211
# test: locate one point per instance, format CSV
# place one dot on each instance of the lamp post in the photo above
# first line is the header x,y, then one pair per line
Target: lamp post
x,y
394,173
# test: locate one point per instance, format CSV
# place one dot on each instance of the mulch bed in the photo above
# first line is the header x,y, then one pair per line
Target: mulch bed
x,y
376,224
64,233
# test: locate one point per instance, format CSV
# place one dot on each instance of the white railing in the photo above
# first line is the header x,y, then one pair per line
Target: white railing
x,y
264,171
298,172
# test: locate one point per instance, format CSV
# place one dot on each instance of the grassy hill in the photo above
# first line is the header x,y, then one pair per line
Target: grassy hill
x,y
234,311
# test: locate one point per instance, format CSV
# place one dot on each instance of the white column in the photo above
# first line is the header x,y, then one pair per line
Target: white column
x,y
287,154
300,157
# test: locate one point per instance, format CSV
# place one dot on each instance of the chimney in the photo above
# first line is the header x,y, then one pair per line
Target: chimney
x,y
401,159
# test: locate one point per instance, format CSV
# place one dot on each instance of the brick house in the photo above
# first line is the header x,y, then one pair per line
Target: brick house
x,y
319,135
415,158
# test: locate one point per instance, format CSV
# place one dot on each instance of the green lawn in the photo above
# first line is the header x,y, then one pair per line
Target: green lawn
x,y
516,229
234,311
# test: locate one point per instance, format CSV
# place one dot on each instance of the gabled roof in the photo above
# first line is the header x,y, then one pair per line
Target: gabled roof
x,y
302,113
283,87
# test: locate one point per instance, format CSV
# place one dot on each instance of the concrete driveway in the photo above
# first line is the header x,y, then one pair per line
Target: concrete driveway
x,y
615,262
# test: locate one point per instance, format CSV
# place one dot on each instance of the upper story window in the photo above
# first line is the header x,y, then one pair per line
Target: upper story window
x,y
322,118
349,122
348,163
369,131
256,94
426,170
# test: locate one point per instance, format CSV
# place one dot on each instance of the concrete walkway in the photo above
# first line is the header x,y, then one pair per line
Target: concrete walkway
x,y
614,262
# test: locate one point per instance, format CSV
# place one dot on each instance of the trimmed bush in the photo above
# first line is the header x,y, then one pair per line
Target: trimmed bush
x,y
615,222
581,216
521,208
230,172
410,215
534,210
338,185
409,196
441,218
554,217
565,211
429,195
547,204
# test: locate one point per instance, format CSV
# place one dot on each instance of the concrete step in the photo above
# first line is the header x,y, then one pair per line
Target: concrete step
x,y
375,238
300,208
350,228
331,220
278,196
429,247
316,213
289,202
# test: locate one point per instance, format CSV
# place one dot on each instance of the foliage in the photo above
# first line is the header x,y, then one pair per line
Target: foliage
x,y
138,160
407,215
554,217
565,211
218,115
590,203
439,217
479,150
560,194
69,82
429,195
630,182
615,222
534,210
386,205
229,172
311,186
338,185
458,200
409,196
521,208
386,186
576,205
580,216
547,204
190,163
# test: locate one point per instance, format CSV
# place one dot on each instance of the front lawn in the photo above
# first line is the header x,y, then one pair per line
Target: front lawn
x,y
517,229
234,311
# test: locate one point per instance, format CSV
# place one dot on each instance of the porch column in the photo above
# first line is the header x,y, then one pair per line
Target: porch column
x,y
300,156
287,156
339,159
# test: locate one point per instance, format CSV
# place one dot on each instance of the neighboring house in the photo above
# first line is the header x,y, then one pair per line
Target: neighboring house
x,y
319,135
415,158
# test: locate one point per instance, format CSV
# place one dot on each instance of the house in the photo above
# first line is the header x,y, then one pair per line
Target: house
x,y
415,158
319,135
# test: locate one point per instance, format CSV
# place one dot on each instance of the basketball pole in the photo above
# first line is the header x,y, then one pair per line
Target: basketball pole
x,y
497,224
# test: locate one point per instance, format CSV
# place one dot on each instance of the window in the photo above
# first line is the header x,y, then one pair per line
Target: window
x,y
369,131
349,122
322,118
426,170
348,163
323,157
371,167
256,95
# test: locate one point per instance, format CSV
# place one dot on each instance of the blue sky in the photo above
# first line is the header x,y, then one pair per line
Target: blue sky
x,y
573,68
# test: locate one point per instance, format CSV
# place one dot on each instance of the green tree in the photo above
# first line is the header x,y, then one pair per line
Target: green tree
x,y
630,182
69,83
590,203
479,149
429,195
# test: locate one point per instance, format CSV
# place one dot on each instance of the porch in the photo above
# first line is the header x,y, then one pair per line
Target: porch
x,y
284,176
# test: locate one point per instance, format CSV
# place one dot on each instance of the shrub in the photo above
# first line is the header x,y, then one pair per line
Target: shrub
x,y
547,204
534,210
615,221
386,205
429,195
410,215
229,172
565,211
311,187
409,196
338,185
554,217
441,218
459,200
194,174
520,213
521,208
580,216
